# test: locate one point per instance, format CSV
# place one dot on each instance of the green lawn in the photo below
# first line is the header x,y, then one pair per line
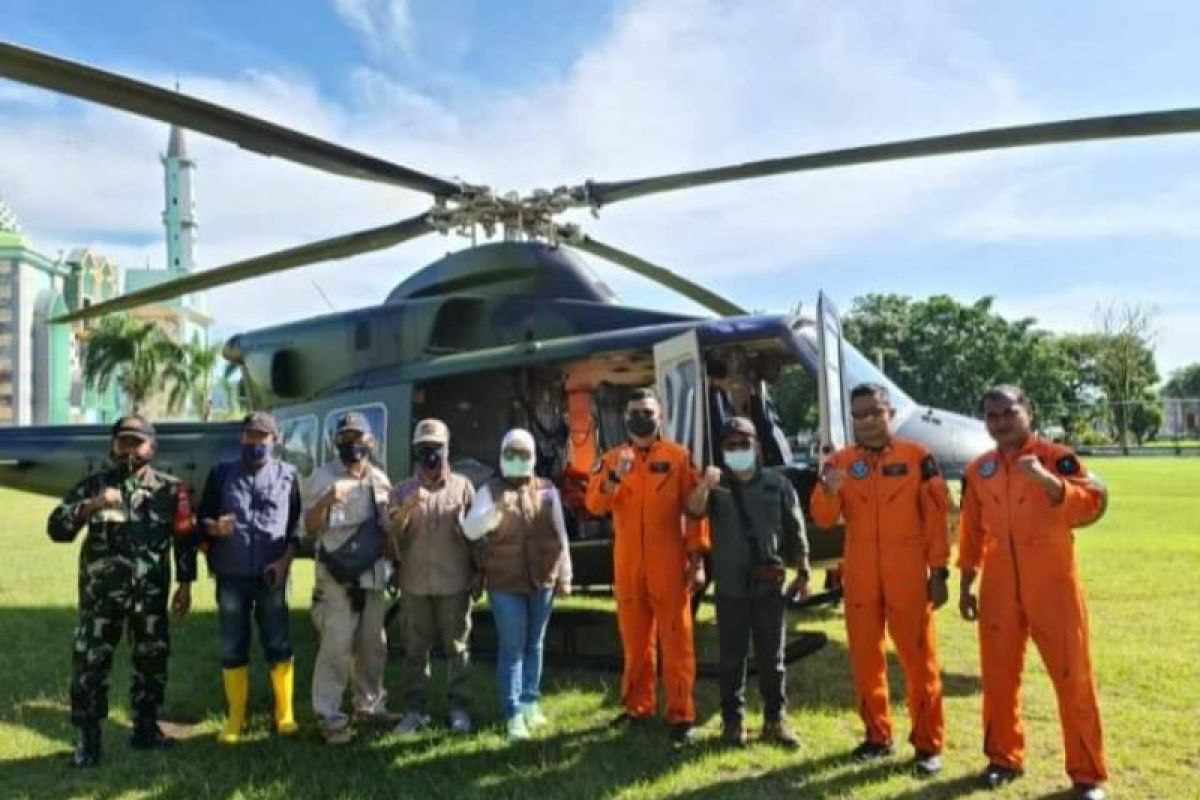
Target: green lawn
x,y
1141,567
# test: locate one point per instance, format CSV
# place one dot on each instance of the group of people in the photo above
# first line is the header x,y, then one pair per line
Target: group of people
x,y
441,542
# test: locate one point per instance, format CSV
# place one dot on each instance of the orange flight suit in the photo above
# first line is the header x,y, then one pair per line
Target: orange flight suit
x,y
895,505
1024,547
650,555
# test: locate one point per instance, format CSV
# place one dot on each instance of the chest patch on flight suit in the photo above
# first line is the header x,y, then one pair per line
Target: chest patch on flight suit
x,y
894,470
1067,465
860,469
660,467
988,468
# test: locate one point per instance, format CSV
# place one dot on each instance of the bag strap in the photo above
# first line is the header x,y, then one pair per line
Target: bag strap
x,y
748,532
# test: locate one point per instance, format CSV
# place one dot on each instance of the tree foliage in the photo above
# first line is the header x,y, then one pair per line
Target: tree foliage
x,y
1184,382
132,353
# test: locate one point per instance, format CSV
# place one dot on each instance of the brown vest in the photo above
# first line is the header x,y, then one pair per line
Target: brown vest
x,y
523,552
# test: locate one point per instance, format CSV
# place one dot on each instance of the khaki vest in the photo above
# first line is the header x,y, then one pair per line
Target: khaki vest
x,y
522,554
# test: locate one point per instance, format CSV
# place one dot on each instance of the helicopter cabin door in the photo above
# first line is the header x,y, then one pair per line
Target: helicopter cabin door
x,y
833,394
679,373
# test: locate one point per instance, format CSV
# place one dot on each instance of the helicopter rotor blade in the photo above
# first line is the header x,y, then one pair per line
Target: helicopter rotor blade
x,y
117,91
351,244
1157,123
693,291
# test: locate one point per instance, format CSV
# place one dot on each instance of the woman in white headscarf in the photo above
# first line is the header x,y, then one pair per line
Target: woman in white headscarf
x,y
527,562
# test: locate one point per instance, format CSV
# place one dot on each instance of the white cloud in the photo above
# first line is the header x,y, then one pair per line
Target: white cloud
x,y
675,84
385,26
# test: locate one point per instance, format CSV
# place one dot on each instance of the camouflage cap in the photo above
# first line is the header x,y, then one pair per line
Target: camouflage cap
x,y
134,425
431,430
354,421
260,422
738,426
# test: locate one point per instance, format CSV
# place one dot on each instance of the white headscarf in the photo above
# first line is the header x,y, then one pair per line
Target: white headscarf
x,y
521,439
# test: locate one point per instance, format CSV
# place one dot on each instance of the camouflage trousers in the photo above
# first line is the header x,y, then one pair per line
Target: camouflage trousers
x,y
114,593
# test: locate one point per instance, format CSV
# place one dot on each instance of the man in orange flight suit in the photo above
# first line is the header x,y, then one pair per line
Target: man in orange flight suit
x,y
1020,502
656,562
894,501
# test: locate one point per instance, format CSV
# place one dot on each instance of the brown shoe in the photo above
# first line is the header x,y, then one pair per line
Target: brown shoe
x,y
779,733
336,736
733,734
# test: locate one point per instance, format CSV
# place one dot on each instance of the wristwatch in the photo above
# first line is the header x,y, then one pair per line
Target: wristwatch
x,y
941,572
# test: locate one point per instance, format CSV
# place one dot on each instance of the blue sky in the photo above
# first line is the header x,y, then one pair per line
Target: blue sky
x,y
527,94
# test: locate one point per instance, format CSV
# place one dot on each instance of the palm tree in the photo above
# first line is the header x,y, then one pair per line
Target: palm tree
x,y
132,353
191,378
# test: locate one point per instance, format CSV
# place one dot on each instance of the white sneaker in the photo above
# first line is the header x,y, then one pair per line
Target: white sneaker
x,y
517,730
412,722
534,718
460,721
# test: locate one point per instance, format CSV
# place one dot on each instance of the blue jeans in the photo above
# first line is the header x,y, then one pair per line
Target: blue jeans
x,y
237,598
521,629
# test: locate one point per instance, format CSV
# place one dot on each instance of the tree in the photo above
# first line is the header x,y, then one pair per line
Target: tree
x,y
132,353
191,375
1146,416
1184,382
945,353
795,396
1125,361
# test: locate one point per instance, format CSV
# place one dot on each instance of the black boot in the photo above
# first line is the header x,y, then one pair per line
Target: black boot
x,y
87,751
147,735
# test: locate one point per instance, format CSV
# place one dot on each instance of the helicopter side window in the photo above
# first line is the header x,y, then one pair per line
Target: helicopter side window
x,y
298,444
376,414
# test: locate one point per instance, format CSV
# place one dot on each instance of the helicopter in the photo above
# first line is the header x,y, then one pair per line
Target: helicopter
x,y
512,332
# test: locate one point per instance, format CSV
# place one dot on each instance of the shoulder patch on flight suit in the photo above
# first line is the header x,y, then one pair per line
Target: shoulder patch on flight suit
x,y
988,468
929,468
660,467
860,469
1067,465
892,470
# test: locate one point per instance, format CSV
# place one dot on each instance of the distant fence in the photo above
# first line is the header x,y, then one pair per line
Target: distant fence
x,y
1157,451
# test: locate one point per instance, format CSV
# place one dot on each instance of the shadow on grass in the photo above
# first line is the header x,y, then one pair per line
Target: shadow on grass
x,y
588,760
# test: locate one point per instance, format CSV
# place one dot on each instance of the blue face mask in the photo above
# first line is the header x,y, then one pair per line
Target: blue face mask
x,y
739,460
255,453
516,467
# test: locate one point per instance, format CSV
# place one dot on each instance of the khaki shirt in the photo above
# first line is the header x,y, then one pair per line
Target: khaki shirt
x,y
373,487
435,556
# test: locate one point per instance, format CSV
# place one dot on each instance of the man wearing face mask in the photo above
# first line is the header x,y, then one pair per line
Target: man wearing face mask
x,y
893,499
342,497
124,575
437,572
657,563
757,532
250,516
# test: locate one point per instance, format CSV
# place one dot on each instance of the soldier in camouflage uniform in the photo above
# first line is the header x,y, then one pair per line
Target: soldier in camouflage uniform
x,y
124,577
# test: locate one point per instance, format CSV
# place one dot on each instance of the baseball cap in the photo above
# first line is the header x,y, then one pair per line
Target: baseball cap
x,y
738,426
133,425
260,422
354,421
431,430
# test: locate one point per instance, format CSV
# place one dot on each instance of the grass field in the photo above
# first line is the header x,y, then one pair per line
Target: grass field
x,y
1141,568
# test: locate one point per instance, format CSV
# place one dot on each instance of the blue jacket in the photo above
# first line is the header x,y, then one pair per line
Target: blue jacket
x,y
266,503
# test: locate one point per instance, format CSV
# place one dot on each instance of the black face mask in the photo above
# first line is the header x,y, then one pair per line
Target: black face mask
x,y
641,425
353,452
430,457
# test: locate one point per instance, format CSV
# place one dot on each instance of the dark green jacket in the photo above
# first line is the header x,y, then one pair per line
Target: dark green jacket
x,y
145,535
775,532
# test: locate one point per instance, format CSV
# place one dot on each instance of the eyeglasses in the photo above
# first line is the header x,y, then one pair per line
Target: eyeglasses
x,y
871,413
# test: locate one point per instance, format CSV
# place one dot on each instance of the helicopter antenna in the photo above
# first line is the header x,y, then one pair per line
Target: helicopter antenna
x,y
324,296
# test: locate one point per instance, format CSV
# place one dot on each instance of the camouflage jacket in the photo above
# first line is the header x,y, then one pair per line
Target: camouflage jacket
x,y
142,529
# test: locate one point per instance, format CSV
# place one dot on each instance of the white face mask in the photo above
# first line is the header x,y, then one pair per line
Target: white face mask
x,y
516,467
739,460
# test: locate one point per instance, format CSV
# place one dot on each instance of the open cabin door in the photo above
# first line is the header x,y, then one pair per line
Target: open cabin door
x,y
680,382
832,393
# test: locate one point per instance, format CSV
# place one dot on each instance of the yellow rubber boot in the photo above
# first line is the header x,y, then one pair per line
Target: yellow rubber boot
x,y
282,681
237,694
